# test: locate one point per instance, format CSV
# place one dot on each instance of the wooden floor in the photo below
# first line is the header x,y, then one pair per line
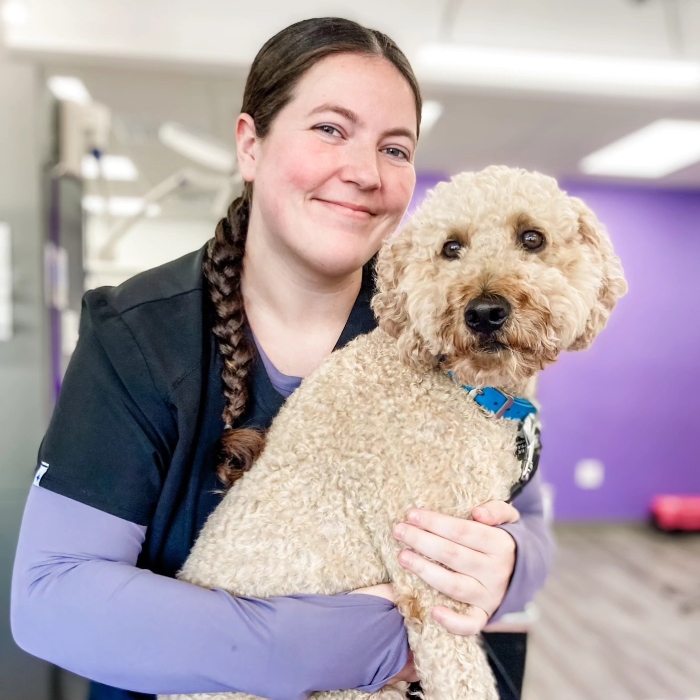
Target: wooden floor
x,y
619,618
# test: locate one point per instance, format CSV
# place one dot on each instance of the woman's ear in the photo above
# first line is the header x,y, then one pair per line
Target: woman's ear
x,y
612,281
246,146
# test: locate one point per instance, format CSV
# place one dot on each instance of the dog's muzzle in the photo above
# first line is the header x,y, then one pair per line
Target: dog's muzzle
x,y
486,315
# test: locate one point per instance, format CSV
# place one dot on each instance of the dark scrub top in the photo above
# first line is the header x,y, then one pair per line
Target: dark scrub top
x,y
135,432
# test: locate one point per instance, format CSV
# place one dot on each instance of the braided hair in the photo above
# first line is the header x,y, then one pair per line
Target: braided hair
x,y
276,70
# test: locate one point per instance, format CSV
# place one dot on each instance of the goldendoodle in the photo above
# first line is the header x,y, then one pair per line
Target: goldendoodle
x,y
495,275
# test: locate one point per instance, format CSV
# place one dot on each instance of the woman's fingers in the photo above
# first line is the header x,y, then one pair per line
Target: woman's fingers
x,y
475,535
496,513
458,586
453,554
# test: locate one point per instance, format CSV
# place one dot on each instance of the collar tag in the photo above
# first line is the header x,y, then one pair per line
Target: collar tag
x,y
499,403
528,447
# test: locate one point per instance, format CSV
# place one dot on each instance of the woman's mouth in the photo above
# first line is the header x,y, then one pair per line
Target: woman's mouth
x,y
350,209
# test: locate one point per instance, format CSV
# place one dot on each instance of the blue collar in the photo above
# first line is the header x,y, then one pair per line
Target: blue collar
x,y
501,404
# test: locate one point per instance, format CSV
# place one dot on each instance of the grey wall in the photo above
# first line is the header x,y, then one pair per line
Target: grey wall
x,y
23,359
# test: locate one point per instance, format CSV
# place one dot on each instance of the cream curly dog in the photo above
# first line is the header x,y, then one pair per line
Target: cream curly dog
x,y
495,275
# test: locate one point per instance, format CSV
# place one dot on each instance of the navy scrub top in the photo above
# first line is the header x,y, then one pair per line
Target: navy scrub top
x,y
137,423
136,426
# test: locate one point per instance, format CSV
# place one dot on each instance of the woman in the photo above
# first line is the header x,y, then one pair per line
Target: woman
x,y
212,343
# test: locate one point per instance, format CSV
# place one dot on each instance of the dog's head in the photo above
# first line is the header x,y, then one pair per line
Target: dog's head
x,y
495,275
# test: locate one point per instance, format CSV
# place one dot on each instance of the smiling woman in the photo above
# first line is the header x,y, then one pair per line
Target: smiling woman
x,y
179,372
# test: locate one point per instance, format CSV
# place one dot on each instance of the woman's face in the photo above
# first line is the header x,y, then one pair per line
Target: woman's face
x,y
335,173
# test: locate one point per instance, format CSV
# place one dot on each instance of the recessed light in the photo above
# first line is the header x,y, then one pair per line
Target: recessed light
x,y
15,13
561,72
69,89
656,150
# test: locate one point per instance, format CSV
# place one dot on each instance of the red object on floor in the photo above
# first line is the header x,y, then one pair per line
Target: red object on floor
x,y
676,512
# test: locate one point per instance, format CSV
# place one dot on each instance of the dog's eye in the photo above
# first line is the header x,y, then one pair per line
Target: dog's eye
x,y
532,240
451,249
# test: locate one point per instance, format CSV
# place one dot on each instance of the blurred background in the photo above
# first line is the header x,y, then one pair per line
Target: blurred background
x,y
602,94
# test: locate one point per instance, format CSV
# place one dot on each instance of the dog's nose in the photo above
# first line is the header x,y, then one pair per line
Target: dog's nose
x,y
487,314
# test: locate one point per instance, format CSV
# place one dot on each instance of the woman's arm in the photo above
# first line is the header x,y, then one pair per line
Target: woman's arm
x,y
79,601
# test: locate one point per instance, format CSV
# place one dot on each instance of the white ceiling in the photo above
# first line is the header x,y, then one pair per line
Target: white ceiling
x,y
152,61
226,33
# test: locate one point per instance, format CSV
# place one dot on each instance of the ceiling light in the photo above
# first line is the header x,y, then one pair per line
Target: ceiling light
x,y
15,13
112,167
69,89
656,150
201,149
119,206
565,72
431,112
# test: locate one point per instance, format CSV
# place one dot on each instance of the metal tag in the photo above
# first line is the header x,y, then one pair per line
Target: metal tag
x,y
527,449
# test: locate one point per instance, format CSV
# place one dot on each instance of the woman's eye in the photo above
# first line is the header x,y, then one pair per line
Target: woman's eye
x,y
328,129
397,152
532,240
451,249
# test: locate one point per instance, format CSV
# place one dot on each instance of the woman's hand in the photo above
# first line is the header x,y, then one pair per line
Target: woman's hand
x,y
386,590
480,559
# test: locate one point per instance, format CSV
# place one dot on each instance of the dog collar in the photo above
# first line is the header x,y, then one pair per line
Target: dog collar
x,y
501,404
527,442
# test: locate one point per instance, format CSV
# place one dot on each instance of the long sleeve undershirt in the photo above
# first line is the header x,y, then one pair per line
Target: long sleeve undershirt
x,y
79,601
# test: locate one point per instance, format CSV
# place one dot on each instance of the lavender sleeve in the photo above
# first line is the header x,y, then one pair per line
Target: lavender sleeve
x,y
79,601
534,549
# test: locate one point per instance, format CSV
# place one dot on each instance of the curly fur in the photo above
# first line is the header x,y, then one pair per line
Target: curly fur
x,y
380,428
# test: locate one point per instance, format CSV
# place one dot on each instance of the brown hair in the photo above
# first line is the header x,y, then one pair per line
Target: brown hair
x,y
275,72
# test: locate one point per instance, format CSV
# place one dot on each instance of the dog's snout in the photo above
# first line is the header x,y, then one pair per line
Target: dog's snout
x,y
487,314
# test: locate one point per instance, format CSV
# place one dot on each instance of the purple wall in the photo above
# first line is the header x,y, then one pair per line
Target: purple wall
x,y
424,182
632,400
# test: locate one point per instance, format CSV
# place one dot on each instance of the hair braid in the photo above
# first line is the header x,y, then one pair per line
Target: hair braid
x,y
222,269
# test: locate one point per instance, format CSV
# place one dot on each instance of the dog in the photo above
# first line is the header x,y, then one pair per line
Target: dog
x,y
494,276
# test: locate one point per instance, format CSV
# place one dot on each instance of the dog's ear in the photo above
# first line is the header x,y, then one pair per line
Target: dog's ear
x,y
389,303
612,280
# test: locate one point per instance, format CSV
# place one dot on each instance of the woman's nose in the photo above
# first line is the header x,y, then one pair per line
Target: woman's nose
x,y
362,167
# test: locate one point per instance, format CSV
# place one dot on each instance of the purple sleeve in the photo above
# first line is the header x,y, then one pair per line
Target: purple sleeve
x,y
534,549
79,601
